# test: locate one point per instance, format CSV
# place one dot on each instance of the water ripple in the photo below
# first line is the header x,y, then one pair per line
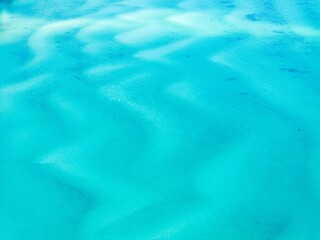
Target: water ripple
x,y
159,120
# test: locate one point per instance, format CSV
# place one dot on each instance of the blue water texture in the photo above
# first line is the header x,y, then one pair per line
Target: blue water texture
x,y
160,120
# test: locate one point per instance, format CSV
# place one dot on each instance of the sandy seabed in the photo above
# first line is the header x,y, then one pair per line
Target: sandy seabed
x,y
160,120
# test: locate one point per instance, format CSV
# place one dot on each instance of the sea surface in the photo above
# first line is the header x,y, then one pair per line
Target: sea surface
x,y
160,120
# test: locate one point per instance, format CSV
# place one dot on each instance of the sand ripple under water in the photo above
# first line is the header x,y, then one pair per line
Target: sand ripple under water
x,y
156,120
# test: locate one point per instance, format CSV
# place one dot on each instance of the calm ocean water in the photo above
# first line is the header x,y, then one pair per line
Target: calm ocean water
x,y
160,120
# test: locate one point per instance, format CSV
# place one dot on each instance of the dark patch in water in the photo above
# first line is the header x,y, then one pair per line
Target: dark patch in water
x,y
293,70
232,79
231,6
252,17
243,93
278,32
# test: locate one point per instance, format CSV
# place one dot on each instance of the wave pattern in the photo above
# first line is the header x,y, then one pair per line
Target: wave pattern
x,y
159,120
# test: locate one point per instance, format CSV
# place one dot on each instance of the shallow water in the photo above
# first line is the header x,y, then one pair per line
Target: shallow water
x,y
154,119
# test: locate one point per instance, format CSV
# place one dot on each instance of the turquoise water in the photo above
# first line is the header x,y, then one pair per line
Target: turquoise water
x,y
158,120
